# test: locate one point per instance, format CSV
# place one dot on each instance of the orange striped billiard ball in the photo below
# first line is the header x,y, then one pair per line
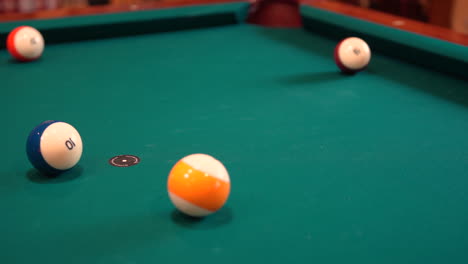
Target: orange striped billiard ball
x,y
198,185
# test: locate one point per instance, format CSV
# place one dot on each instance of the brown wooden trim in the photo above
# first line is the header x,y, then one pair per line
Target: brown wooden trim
x,y
391,20
105,9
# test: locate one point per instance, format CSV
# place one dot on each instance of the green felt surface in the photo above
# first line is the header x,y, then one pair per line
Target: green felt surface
x,y
325,168
139,15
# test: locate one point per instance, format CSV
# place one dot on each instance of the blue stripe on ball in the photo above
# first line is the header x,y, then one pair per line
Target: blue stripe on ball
x,y
33,149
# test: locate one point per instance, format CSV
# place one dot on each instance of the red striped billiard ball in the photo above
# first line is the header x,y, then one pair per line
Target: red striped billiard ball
x,y
352,55
25,43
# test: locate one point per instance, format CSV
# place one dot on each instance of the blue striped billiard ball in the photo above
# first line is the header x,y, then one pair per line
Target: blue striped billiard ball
x,y
54,147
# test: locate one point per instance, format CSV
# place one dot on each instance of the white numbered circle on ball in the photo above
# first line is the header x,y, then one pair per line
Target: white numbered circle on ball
x,y
61,145
354,53
29,42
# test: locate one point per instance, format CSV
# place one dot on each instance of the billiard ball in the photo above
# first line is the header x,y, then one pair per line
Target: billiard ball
x,y
25,43
352,55
198,185
54,147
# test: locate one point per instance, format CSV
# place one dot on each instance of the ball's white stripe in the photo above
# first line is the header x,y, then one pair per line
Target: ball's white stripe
x,y
56,150
347,56
23,43
187,207
207,164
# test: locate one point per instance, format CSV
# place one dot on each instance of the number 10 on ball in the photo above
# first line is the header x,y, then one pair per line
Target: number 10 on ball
x,y
54,147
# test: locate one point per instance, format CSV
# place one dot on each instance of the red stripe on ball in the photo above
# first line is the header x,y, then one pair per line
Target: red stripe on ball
x,y
338,60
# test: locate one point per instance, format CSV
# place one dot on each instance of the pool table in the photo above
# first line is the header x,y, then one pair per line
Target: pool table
x,y
325,167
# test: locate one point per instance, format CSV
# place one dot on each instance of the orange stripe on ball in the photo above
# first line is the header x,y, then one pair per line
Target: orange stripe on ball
x,y
197,187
